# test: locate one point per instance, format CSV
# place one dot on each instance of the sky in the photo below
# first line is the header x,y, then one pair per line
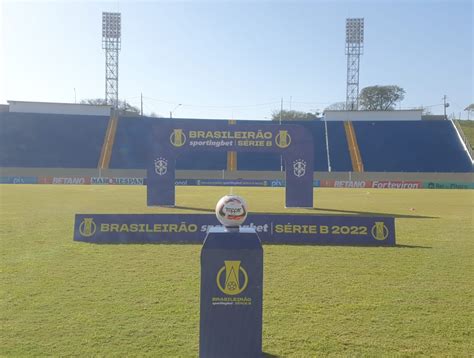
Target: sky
x,y
237,59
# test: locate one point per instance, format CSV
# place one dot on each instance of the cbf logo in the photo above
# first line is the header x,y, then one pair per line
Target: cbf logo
x,y
299,168
235,279
87,227
379,231
283,139
161,166
178,138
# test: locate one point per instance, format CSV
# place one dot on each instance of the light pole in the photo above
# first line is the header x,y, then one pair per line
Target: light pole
x,y
445,105
111,43
175,108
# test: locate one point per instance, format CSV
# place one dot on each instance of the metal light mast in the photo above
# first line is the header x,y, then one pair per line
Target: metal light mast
x,y
111,42
354,48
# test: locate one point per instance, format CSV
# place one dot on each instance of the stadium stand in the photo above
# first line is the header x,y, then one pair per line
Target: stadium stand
x,y
319,140
270,161
130,151
338,148
415,146
320,150
258,161
357,164
50,140
35,140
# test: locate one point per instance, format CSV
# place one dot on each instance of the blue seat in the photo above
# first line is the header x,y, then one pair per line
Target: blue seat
x,y
338,148
73,141
411,146
51,140
271,161
130,147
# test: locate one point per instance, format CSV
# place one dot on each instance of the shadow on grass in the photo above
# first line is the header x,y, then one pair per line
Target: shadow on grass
x,y
369,213
412,247
190,243
329,244
191,208
335,211
269,355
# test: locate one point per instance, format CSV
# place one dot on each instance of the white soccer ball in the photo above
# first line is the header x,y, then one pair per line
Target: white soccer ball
x,y
231,210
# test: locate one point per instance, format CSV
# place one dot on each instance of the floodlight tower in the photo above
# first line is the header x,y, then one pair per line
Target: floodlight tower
x,y
111,42
354,48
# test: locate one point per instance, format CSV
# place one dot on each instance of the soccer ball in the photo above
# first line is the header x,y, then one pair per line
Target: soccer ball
x,y
231,210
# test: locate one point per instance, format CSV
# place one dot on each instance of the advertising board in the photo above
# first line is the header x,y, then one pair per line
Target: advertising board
x,y
18,180
447,185
271,228
116,181
69,180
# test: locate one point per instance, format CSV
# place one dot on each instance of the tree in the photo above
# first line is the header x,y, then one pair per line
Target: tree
x,y
293,116
469,109
380,98
338,106
122,105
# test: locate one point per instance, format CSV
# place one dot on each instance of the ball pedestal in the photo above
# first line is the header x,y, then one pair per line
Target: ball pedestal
x,y
231,294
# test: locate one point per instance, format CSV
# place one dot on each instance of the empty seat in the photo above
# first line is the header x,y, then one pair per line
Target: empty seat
x,y
51,140
411,146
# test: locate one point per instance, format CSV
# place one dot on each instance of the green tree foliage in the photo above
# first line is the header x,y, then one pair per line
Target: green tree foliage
x,y
122,105
470,108
380,98
337,106
293,116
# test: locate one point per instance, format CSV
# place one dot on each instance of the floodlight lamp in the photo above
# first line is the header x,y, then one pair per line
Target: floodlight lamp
x,y
111,25
354,31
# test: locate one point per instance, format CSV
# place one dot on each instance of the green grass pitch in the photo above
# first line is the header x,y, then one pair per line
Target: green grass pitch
x,y
64,298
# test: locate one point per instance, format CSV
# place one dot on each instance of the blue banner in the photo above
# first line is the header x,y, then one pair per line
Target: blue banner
x,y
192,228
447,185
232,182
168,140
18,180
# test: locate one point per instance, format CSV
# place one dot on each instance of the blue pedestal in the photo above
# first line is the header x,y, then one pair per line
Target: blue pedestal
x,y
231,294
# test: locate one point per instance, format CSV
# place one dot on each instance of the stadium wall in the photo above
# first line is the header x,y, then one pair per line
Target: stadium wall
x,y
59,108
222,174
378,116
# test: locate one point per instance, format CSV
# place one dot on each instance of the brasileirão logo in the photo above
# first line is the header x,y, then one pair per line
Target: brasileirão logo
x,y
283,139
87,227
379,231
231,284
178,138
